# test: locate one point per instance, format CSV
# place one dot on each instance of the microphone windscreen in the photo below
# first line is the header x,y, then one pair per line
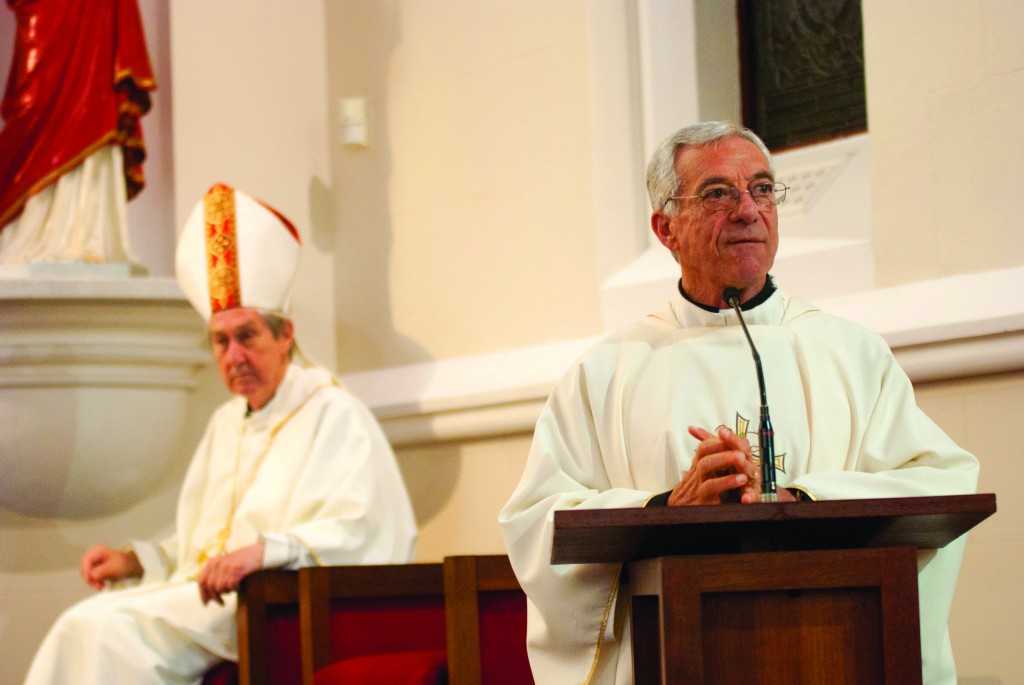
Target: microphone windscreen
x,y
731,296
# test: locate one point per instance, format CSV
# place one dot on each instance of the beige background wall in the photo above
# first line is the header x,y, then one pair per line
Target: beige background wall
x,y
479,150
979,413
478,220
945,79
250,110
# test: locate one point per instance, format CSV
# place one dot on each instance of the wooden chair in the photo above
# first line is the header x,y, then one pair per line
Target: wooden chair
x,y
268,614
486,622
373,624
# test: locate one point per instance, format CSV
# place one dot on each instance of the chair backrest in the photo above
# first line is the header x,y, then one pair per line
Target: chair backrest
x,y
355,612
268,614
486,622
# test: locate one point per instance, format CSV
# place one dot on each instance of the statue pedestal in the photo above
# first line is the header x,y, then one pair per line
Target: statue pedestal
x,y
95,375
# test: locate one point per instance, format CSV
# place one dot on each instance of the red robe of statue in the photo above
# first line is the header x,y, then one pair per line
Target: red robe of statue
x,y
79,80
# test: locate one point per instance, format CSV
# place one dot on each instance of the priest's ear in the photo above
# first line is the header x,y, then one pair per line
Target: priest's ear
x,y
661,224
287,332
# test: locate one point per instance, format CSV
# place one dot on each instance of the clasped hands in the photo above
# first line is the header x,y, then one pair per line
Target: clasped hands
x,y
221,574
723,470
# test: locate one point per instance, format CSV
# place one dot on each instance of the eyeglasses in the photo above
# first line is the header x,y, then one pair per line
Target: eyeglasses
x,y
724,198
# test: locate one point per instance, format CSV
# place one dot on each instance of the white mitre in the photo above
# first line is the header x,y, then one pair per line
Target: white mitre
x,y
235,251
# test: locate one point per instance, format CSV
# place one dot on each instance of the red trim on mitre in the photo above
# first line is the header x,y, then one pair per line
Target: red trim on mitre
x,y
284,220
222,276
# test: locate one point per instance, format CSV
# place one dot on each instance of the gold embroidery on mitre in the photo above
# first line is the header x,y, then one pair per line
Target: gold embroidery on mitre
x,y
223,282
221,249
219,204
219,244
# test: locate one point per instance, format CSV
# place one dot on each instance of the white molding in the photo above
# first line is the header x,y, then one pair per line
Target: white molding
x,y
85,281
941,329
668,68
469,397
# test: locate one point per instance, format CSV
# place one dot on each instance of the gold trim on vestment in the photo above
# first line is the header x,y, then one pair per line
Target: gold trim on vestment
x,y
312,552
604,623
220,545
810,496
140,83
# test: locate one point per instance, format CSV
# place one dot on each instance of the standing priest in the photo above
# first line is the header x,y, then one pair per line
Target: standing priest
x,y
658,415
294,471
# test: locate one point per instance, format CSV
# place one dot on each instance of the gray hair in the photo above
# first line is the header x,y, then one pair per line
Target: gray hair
x,y
276,324
662,180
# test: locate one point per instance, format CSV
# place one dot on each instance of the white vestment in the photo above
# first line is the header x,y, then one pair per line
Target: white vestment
x,y
614,433
311,474
82,217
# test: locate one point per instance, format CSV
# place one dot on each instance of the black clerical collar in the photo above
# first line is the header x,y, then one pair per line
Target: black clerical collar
x,y
760,298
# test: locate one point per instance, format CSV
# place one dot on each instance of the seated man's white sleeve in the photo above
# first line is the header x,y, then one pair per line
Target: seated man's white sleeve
x,y
282,551
156,566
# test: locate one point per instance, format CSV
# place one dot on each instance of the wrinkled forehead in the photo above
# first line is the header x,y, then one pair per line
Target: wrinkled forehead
x,y
732,161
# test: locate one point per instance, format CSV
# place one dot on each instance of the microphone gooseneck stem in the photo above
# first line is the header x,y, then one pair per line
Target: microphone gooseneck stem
x,y
766,434
766,437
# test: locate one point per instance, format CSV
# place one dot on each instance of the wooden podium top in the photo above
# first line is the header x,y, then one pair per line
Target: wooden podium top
x,y
609,535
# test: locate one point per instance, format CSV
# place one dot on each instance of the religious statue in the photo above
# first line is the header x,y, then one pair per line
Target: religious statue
x,y
71,147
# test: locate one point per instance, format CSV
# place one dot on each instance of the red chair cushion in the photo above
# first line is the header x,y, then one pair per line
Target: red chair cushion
x,y
397,668
224,673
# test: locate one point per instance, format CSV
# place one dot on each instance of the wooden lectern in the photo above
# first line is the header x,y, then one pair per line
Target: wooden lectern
x,y
787,592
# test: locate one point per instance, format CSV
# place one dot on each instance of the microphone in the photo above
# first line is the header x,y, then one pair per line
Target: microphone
x,y
765,432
